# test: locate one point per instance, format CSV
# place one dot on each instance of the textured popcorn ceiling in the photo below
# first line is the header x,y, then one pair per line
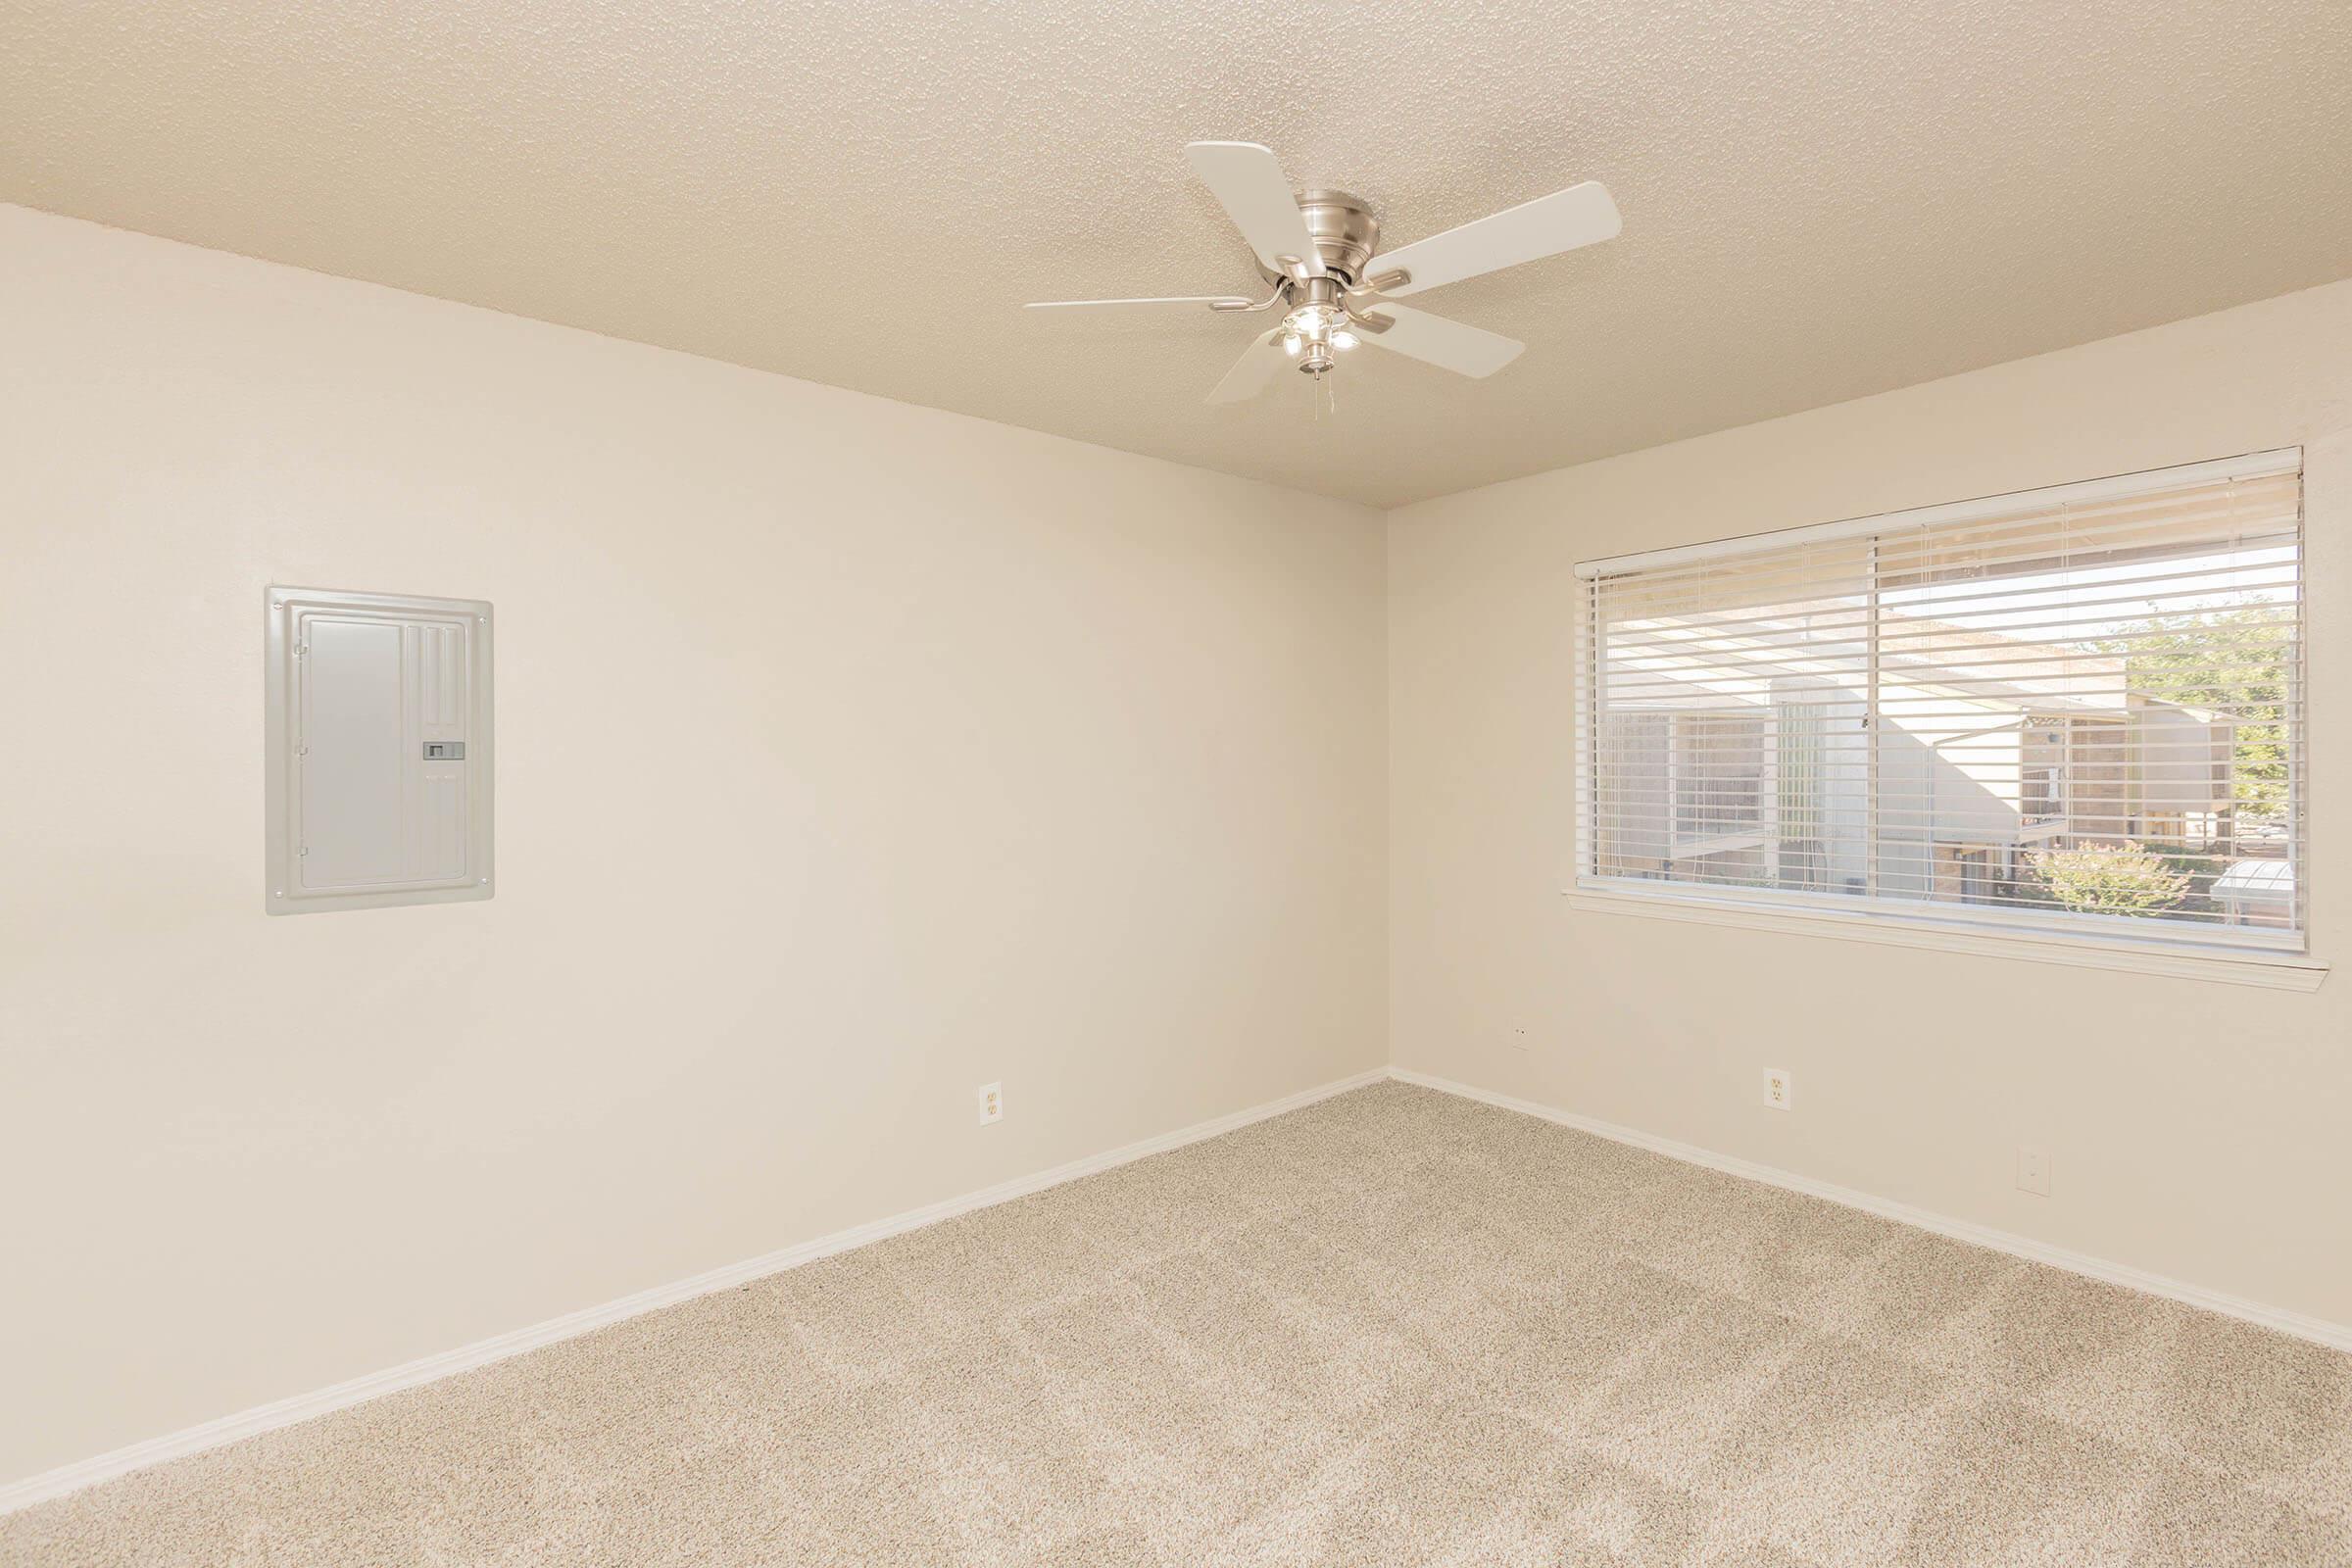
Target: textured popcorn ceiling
x,y
1819,201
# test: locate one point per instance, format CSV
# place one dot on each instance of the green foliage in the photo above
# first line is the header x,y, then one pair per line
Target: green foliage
x,y
2110,878
2233,659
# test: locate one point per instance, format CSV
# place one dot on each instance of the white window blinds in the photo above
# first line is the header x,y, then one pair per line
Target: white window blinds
x,y
2073,711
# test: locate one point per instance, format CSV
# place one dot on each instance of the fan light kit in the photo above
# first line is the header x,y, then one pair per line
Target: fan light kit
x,y
1316,251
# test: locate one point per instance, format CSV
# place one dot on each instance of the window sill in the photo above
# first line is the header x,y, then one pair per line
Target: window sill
x,y
2281,971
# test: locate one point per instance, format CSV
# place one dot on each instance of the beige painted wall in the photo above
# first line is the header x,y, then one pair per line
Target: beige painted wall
x,y
2198,1130
850,755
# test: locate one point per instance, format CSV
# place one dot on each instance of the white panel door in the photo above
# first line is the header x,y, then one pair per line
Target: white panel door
x,y
351,760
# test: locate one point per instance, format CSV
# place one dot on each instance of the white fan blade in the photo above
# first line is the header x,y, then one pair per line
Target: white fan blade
x,y
1257,194
1449,345
1580,215
1251,372
1198,302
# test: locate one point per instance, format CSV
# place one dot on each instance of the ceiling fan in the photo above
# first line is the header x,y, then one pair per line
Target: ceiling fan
x,y
1316,250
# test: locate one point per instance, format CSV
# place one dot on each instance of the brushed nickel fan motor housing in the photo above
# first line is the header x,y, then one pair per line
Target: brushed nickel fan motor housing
x,y
1343,231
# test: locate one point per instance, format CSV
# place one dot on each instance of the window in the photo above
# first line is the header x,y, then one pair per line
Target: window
x,y
2042,783
2043,790
2072,711
1977,884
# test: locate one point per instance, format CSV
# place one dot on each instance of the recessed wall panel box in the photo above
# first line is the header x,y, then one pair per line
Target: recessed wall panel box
x,y
378,736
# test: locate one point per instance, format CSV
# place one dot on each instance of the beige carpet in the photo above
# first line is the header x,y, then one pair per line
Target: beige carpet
x,y
1398,1327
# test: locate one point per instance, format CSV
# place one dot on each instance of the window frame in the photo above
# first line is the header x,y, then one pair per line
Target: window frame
x,y
2220,952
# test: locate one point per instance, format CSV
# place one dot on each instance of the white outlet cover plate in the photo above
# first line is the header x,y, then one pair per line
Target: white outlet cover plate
x,y
991,1103
1779,1090
2034,1170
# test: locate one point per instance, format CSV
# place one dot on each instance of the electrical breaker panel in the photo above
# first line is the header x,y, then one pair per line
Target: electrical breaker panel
x,y
379,730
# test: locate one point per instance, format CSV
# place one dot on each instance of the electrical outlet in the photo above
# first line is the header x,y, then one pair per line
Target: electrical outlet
x,y
2034,1170
1779,1090
992,1103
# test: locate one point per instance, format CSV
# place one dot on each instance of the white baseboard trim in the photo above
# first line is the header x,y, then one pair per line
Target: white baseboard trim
x,y
428,1369
2336,1336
